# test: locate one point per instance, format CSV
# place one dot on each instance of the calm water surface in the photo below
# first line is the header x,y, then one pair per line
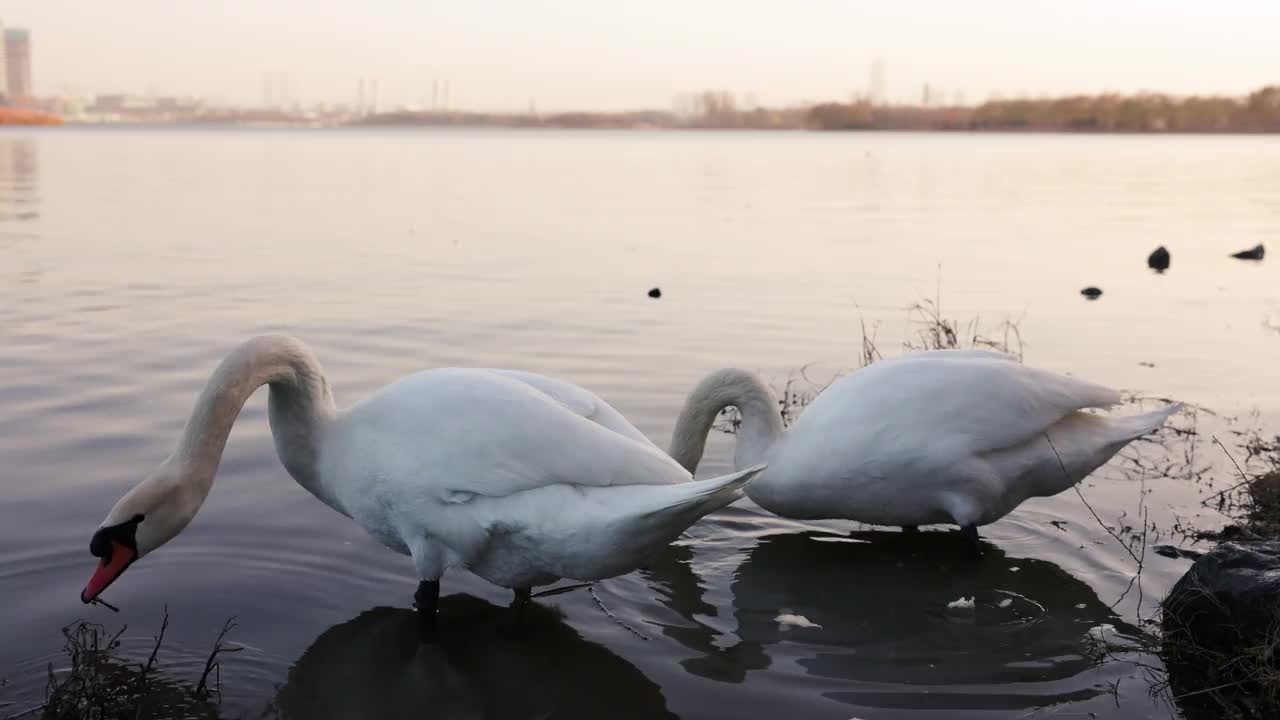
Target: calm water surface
x,y
130,261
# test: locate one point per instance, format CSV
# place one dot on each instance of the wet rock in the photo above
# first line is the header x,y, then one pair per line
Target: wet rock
x,y
1091,292
1158,260
655,293
1254,253
1219,631
1173,551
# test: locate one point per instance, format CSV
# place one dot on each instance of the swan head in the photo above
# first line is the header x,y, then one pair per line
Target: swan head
x,y
148,516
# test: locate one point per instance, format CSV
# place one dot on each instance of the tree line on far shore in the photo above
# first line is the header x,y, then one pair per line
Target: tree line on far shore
x,y
1259,112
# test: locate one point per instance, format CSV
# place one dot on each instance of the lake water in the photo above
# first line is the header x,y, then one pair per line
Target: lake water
x,y
131,260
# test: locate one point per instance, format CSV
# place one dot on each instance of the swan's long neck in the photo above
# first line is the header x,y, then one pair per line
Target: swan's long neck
x,y
761,418
300,405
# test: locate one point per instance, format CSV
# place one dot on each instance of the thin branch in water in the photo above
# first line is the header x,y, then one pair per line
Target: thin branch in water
x,y
1233,460
211,663
104,603
151,660
1076,487
613,617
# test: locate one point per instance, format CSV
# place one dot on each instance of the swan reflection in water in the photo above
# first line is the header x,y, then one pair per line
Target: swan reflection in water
x,y
488,663
867,616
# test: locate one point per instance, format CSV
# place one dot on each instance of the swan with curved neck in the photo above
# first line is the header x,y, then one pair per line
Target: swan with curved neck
x,y
944,436
519,478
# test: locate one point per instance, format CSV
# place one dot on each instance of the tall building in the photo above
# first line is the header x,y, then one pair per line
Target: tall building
x,y
4,79
876,87
17,65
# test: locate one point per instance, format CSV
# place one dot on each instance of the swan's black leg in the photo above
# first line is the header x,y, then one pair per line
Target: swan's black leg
x,y
970,535
910,528
426,600
522,598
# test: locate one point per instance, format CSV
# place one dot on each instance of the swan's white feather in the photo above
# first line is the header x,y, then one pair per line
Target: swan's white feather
x,y
509,475
579,400
942,436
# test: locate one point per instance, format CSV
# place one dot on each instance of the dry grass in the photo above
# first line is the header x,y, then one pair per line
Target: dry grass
x,y
934,331
98,684
930,330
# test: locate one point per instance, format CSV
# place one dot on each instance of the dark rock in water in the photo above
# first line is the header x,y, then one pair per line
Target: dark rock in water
x,y
1091,292
1173,551
1158,260
1254,253
655,293
1219,632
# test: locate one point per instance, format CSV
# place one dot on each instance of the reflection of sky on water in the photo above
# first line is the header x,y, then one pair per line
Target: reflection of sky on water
x,y
19,179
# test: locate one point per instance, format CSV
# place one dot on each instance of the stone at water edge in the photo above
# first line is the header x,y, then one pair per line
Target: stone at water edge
x,y
1158,260
655,293
1219,615
1091,292
1254,253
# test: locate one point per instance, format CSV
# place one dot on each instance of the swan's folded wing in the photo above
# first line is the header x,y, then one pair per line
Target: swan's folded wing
x,y
476,432
970,403
580,401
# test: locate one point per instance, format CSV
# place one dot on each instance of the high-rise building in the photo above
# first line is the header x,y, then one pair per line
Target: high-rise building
x,y
17,65
4,79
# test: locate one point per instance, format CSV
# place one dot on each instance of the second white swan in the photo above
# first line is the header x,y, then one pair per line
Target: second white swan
x,y
946,436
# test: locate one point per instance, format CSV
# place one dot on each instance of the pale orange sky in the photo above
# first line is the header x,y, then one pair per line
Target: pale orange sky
x,y
596,54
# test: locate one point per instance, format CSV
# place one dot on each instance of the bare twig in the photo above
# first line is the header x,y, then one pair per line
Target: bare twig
x,y
613,617
1076,487
211,663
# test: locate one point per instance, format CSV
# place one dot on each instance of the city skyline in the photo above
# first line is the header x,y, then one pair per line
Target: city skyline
x,y
573,55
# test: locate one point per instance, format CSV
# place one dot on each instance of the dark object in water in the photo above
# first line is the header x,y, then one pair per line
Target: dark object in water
x,y
1175,552
1254,253
1219,620
1091,292
655,293
1158,260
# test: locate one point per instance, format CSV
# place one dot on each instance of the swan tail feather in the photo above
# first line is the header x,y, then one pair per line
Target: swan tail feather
x,y
704,496
1135,426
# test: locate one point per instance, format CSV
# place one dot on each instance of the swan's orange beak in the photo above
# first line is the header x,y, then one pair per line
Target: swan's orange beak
x,y
111,567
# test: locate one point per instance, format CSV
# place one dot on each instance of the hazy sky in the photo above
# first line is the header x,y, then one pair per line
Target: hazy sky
x,y
598,54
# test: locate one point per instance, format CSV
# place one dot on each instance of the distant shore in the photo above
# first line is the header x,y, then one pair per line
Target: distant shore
x,y
19,116
1258,112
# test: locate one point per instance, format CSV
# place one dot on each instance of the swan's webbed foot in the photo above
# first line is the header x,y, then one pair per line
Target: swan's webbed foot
x,y
427,600
971,540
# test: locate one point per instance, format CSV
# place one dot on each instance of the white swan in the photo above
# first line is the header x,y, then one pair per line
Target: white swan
x,y
518,478
947,436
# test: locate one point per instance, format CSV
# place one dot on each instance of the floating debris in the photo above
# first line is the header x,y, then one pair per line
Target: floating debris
x,y
1005,603
655,293
1158,260
1254,253
788,620
964,603
1091,292
1098,633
